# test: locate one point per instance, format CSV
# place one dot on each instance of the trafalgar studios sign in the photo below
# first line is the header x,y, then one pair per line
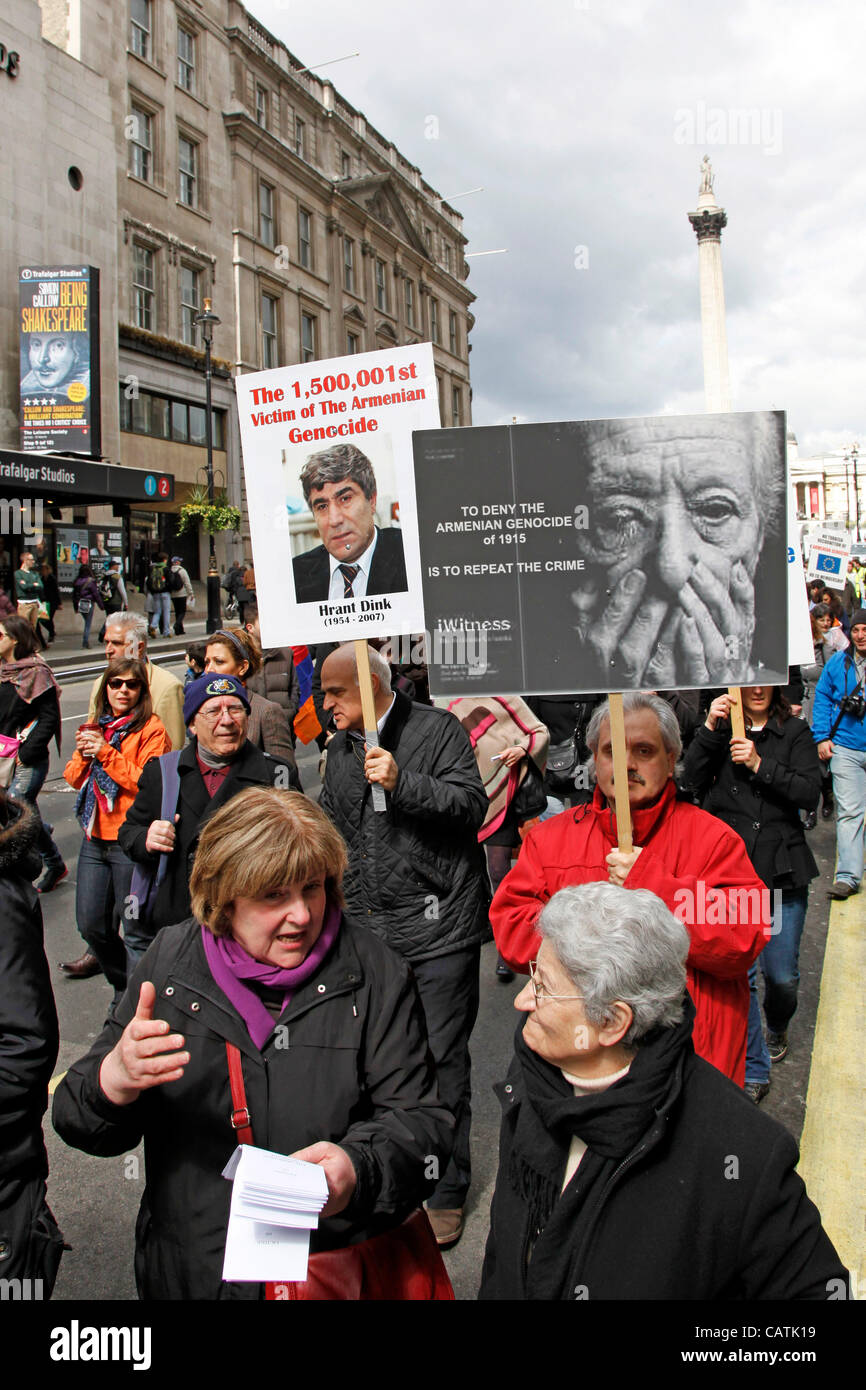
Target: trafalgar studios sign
x,y
59,359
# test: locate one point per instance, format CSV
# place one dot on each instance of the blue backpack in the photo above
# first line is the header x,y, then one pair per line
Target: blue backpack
x,y
147,879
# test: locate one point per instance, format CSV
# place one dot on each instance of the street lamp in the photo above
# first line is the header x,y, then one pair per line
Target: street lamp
x,y
855,449
208,321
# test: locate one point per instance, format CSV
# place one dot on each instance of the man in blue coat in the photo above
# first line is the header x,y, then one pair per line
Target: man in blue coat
x,y
839,729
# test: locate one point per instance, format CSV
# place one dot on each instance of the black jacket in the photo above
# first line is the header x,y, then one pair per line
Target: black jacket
x,y
416,871
16,714
348,1063
252,768
312,569
706,1206
29,1036
763,807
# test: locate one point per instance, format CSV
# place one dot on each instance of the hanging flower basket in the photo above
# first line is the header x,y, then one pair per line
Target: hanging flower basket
x,y
218,515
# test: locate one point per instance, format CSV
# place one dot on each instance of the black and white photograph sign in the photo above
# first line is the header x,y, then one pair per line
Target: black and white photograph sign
x,y
605,555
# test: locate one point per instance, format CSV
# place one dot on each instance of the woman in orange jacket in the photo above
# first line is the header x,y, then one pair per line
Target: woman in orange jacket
x,y
108,761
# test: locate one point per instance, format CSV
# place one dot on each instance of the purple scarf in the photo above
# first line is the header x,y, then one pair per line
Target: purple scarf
x,y
231,966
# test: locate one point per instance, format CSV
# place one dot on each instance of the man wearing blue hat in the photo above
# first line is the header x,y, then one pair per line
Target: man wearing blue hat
x,y
218,762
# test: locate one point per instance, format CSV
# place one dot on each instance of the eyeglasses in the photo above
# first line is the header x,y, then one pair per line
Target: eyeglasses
x,y
119,682
212,716
540,992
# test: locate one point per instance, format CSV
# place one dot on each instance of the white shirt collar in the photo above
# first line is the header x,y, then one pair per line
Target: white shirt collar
x,y
363,561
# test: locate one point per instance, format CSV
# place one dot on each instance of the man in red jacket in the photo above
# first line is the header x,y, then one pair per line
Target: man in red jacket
x,y
697,865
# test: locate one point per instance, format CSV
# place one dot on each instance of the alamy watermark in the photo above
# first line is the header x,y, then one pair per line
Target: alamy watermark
x,y
21,516
707,126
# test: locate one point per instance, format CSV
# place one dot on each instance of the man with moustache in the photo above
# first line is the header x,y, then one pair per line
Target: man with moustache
x,y
356,558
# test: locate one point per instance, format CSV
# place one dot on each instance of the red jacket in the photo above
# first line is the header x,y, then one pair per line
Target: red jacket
x,y
686,855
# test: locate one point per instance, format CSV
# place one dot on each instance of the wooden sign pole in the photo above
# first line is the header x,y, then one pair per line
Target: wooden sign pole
x,y
738,726
368,705
620,774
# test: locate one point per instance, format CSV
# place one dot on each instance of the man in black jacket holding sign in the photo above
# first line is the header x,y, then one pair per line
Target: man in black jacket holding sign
x,y
416,872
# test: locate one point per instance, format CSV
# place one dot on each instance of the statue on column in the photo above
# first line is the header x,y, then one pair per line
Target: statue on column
x,y
706,175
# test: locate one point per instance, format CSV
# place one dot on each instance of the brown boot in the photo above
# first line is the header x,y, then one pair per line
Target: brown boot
x,y
83,968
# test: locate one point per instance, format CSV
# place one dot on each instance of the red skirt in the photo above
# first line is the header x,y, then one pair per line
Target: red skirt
x,y
404,1264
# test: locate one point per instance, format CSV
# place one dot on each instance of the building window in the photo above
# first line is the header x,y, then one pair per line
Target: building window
x,y
381,287
353,344
143,291
308,338
409,300
270,341
161,417
349,264
446,253
190,302
428,237
453,340
187,160
267,225
345,164
140,27
456,406
305,239
141,145
261,107
300,138
185,59
434,320
440,398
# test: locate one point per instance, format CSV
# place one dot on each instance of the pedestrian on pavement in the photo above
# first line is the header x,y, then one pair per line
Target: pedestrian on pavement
x,y
29,1039
218,762
105,769
617,1142
30,711
811,675
126,635
114,595
270,955
277,679
839,729
510,745
29,590
181,591
697,866
158,601
233,583
85,599
231,651
758,785
416,872
50,605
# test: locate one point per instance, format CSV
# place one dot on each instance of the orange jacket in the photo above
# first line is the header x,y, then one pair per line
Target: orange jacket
x,y
124,765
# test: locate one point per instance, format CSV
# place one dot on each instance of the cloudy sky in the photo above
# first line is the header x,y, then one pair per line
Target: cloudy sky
x,y
586,121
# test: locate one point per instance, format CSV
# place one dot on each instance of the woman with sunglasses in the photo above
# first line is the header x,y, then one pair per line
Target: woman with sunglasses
x,y
232,651
110,754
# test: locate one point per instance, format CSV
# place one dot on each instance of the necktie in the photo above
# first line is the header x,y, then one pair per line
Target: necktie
x,y
350,574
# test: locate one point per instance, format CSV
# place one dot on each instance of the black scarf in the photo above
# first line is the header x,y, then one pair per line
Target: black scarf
x,y
611,1123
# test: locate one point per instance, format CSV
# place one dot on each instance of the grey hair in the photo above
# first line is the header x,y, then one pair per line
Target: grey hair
x,y
378,666
620,944
632,702
133,622
335,464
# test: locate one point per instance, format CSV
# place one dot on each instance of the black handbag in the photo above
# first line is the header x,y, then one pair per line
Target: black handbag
x,y
530,799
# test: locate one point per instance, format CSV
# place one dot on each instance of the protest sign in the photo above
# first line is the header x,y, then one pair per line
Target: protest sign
x,y
829,552
59,378
801,648
605,555
327,454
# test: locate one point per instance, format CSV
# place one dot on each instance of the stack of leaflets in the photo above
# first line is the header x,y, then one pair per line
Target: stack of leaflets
x,y
276,1202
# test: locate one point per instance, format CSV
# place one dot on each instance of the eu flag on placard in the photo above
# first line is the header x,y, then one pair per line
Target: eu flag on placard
x,y
829,564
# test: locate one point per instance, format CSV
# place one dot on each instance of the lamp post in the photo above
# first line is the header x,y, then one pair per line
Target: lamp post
x,y
208,321
855,449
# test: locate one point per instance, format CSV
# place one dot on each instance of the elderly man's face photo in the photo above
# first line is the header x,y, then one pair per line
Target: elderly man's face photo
x,y
345,518
52,358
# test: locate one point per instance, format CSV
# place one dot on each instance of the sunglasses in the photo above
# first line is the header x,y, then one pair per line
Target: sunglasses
x,y
118,683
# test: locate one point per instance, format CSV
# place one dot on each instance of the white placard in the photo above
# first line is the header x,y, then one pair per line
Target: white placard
x,y
801,649
829,553
361,411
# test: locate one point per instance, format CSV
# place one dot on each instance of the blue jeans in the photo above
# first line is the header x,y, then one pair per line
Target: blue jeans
x,y
779,963
26,786
848,766
87,619
104,876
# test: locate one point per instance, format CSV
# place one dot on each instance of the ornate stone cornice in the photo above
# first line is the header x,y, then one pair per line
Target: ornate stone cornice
x,y
708,224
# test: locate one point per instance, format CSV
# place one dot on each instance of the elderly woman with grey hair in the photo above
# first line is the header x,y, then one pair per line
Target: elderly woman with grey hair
x,y
618,1145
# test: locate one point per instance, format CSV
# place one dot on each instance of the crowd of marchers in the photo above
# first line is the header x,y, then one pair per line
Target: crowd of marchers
x,y
306,977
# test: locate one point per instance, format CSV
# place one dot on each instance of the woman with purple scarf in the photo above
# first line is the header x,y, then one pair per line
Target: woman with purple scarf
x,y
270,1018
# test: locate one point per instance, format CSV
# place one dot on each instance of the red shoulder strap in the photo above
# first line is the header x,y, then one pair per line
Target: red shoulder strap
x,y
241,1120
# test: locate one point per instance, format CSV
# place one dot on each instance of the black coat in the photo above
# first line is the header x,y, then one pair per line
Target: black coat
x,y
348,1064
29,1036
706,1206
416,871
252,768
16,714
763,807
312,569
